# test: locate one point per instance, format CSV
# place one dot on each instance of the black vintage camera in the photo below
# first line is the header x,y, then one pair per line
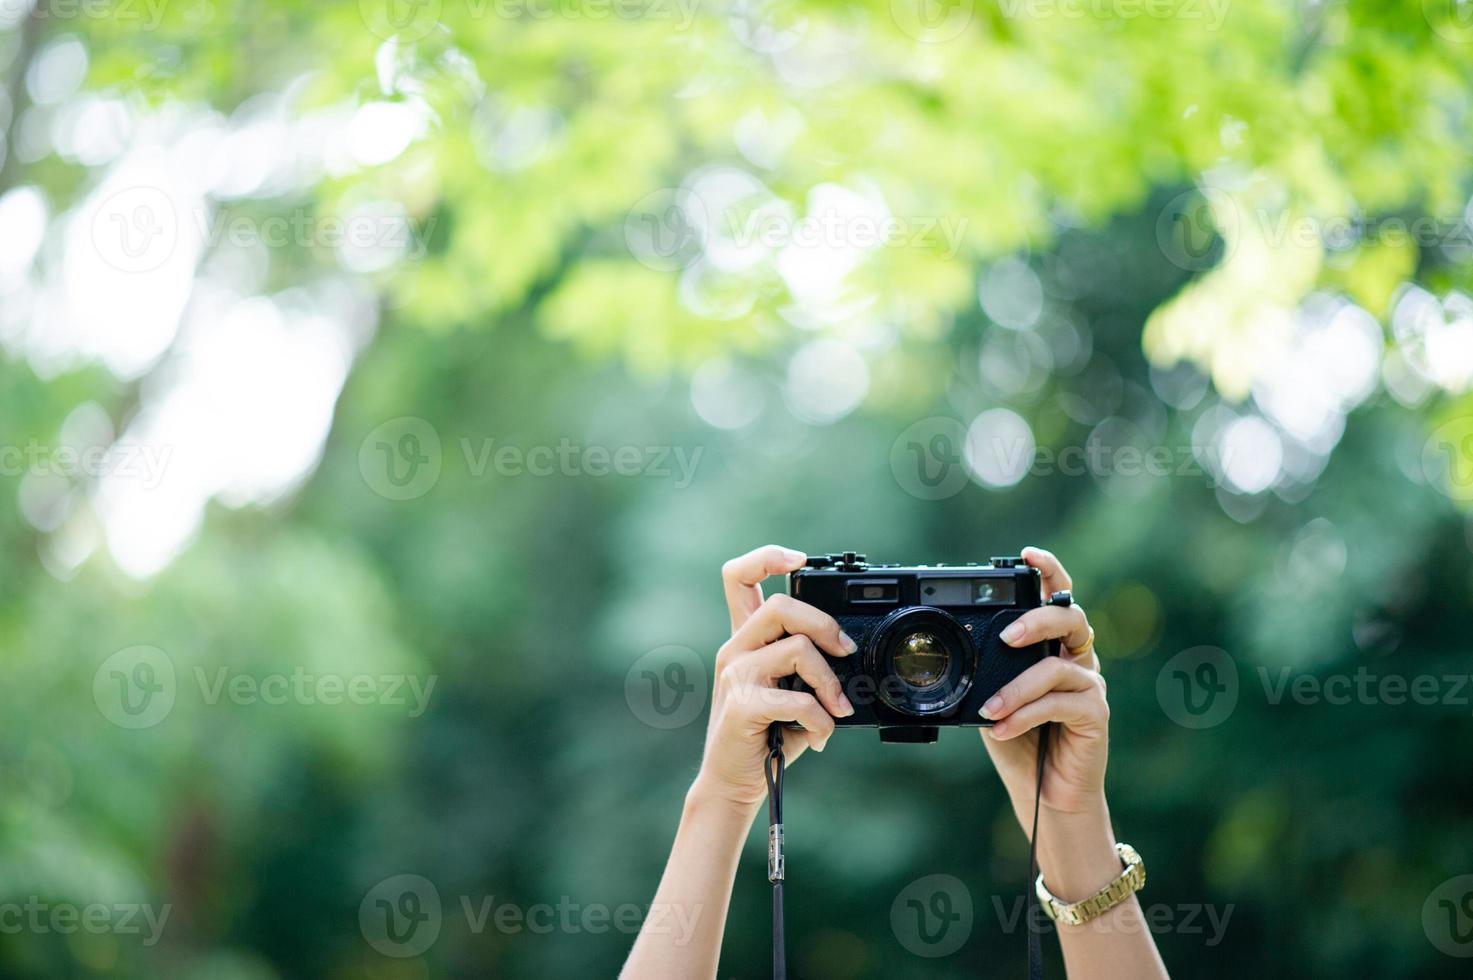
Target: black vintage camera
x,y
929,652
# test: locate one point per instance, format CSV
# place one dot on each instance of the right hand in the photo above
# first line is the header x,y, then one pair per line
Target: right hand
x,y
771,639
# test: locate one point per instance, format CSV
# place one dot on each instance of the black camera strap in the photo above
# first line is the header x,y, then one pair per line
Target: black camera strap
x,y
1035,950
774,768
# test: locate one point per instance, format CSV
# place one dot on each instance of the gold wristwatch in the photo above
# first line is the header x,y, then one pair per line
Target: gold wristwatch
x,y
1131,880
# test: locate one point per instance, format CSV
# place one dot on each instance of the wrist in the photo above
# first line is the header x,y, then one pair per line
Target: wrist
x,y
1076,851
709,800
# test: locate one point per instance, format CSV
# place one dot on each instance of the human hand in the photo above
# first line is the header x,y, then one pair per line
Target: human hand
x,y
1068,689
771,639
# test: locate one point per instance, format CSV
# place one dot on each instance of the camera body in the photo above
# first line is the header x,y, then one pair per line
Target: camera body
x,y
929,651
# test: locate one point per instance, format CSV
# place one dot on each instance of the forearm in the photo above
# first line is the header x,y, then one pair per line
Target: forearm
x,y
1076,853
681,938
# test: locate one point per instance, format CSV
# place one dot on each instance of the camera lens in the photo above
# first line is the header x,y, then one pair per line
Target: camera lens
x,y
921,660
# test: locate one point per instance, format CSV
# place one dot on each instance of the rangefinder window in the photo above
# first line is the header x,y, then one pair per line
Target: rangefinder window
x,y
872,590
993,591
968,591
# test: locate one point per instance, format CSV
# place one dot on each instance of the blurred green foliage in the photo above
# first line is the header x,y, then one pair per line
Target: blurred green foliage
x,y
1058,144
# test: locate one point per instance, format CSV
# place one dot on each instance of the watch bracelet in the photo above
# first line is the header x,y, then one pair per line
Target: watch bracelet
x,y
1130,880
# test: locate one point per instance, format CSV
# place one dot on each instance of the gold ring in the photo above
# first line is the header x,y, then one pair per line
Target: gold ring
x,y
1084,647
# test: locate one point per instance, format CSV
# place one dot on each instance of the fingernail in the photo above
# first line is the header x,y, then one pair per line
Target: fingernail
x,y
845,708
1014,632
794,557
847,642
992,707
820,746
1000,730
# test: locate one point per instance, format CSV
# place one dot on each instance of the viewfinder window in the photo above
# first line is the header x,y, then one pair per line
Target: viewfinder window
x,y
874,590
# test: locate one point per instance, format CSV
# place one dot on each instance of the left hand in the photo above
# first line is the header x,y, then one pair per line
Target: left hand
x,y
1067,689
